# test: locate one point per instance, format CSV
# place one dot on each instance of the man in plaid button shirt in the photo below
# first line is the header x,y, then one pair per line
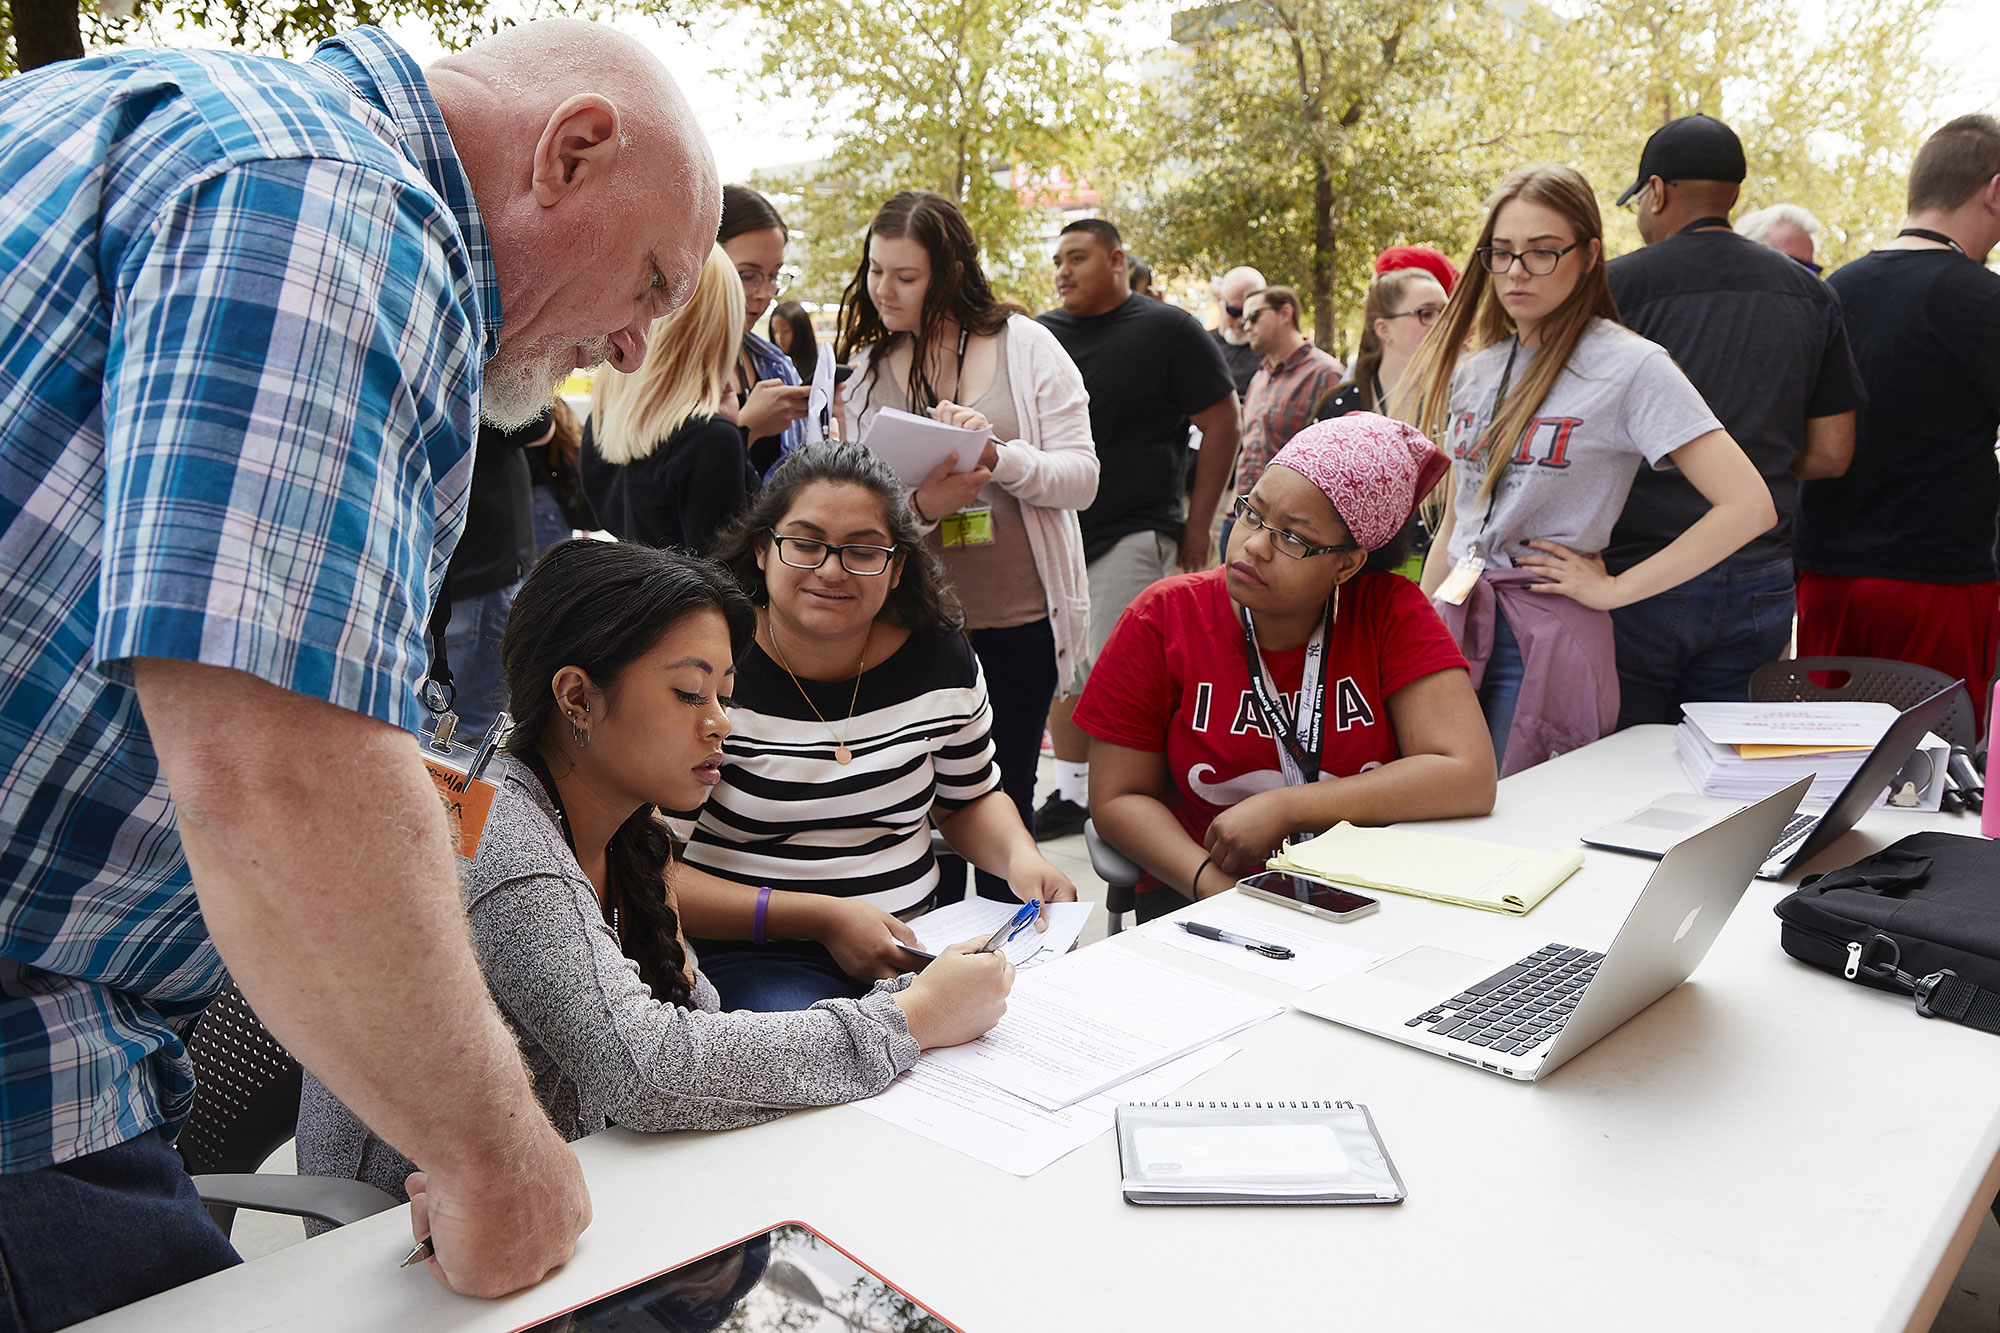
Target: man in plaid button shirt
x,y
249,308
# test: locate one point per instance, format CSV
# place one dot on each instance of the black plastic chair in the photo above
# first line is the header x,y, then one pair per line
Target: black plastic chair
x,y
1119,872
246,1104
1864,679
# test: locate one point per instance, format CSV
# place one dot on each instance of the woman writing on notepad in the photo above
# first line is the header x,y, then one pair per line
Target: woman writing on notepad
x,y
1300,685
619,661
924,331
860,721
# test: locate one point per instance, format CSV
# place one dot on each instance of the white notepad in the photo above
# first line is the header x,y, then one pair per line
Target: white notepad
x,y
1301,1152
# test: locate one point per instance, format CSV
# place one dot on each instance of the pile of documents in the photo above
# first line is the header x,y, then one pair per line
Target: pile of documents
x,y
1489,875
1747,751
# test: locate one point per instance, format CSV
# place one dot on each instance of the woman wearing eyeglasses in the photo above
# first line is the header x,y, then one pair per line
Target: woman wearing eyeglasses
x,y
1548,407
1299,685
771,402
923,331
859,720
1396,317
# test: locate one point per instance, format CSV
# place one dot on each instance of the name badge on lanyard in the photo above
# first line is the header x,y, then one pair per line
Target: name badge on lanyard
x,y
1299,735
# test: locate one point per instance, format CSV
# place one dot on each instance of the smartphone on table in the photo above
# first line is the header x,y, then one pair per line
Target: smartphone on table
x,y
1308,895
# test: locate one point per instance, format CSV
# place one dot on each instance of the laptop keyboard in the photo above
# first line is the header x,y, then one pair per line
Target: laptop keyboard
x,y
1518,1008
1798,828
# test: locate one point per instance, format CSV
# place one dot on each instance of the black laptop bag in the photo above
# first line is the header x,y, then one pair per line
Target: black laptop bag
x,y
1921,917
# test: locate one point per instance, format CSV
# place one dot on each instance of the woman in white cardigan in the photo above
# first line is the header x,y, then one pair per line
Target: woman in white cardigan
x,y
921,328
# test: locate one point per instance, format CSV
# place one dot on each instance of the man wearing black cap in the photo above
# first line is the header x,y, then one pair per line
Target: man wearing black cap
x,y
1764,342
1896,557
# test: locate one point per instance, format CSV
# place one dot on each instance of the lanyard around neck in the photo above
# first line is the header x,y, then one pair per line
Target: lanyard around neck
x,y
1298,755
1926,234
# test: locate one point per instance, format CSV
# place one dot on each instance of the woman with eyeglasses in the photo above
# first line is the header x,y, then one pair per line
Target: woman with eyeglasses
x,y
1548,407
1396,317
924,332
663,462
1300,685
619,663
771,400
859,721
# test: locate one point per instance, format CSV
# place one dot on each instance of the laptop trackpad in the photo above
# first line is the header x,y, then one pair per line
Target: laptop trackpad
x,y
1431,969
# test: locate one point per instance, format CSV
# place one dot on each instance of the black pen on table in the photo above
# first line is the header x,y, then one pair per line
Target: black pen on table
x,y
1277,951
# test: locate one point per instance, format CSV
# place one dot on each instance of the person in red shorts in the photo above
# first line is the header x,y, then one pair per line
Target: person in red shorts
x,y
1300,685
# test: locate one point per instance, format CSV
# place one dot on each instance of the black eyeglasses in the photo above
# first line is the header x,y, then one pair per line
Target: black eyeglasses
x,y
1538,263
1250,317
1293,545
1425,315
811,553
1233,311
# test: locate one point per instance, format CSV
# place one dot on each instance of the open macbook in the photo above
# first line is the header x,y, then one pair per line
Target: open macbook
x,y
1530,1017
1651,831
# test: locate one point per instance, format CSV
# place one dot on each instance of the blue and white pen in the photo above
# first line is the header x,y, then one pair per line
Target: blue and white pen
x,y
1019,922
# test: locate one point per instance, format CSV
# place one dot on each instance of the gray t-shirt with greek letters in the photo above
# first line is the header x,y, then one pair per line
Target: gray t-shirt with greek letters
x,y
1620,400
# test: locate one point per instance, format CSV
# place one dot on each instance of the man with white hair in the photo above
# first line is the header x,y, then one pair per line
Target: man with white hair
x,y
1786,228
256,310
1232,289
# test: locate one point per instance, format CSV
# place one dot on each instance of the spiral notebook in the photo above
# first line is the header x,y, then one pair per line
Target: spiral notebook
x,y
1279,1152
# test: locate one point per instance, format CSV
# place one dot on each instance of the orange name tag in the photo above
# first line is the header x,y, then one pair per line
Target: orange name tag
x,y
467,802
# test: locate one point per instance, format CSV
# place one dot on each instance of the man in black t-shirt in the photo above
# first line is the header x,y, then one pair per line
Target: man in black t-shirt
x,y
1896,557
1232,290
1150,369
1763,341
487,568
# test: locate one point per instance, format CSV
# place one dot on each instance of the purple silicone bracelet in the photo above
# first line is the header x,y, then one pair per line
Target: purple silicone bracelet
x,y
757,917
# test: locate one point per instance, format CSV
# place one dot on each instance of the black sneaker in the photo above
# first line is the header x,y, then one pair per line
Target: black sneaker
x,y
1057,818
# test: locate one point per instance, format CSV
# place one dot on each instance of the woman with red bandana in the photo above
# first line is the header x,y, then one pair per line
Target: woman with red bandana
x,y
1300,685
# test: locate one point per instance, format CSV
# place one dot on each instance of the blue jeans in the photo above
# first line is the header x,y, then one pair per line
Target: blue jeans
x,y
472,645
778,977
1702,640
101,1231
1500,687
551,524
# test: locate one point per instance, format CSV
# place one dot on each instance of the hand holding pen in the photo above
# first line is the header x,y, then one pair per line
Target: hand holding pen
x,y
1030,912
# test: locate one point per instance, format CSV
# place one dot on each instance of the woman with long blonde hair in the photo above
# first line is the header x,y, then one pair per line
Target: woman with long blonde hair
x,y
1548,406
663,460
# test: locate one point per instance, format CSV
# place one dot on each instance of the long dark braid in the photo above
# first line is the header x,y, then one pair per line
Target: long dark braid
x,y
601,606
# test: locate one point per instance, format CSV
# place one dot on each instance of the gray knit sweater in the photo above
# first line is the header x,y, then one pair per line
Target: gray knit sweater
x,y
598,1047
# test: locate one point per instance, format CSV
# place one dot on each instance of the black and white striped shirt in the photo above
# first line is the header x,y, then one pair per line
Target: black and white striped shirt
x,y
787,815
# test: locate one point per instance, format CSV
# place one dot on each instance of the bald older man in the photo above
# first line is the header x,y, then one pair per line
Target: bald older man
x,y
1232,289
250,307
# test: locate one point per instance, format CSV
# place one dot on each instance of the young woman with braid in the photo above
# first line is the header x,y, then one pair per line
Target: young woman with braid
x,y
619,660
1548,406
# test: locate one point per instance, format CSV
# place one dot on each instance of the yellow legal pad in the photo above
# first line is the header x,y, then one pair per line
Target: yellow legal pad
x,y
1748,751
1488,875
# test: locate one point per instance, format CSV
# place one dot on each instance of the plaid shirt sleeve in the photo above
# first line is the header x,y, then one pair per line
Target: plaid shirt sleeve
x,y
278,386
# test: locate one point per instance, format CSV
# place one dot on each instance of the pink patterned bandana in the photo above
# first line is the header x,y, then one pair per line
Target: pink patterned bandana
x,y
1374,469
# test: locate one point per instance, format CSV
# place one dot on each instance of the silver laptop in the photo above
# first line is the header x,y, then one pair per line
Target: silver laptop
x,y
1530,1017
1651,831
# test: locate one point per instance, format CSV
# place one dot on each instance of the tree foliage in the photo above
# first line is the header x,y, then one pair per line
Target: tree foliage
x,y
965,97
1303,136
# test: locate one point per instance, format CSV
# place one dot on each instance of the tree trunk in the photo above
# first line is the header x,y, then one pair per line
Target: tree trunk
x,y
45,31
1325,246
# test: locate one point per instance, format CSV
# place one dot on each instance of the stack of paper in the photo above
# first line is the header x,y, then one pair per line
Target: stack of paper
x,y
1747,751
914,445
1488,875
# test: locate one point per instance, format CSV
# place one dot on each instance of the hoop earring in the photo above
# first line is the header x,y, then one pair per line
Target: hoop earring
x,y
1334,615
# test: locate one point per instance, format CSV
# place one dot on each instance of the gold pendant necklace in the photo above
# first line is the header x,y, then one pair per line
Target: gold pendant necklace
x,y
841,754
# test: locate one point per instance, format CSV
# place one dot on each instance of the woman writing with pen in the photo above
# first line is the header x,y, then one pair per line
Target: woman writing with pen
x,y
619,660
924,332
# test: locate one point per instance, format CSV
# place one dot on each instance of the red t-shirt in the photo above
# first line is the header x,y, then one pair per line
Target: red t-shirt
x,y
1172,680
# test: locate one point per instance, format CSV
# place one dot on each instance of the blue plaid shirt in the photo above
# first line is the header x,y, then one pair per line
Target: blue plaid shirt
x,y
244,304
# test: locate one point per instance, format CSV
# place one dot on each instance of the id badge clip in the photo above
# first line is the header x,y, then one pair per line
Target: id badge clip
x,y
1457,585
967,527
455,770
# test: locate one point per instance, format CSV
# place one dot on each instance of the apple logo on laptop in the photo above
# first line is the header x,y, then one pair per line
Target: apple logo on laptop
x,y
1687,923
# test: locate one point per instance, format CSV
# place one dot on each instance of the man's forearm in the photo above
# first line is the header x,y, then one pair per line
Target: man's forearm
x,y
326,876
